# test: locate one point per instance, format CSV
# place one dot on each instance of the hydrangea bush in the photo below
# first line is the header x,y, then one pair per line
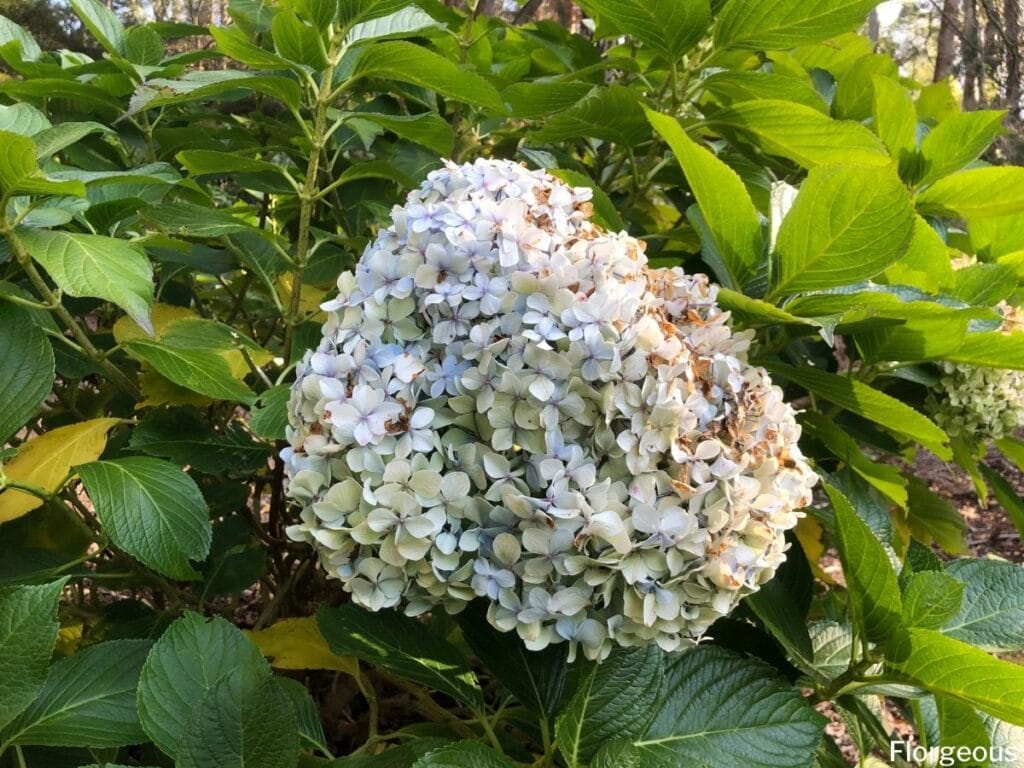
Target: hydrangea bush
x,y
509,403
561,508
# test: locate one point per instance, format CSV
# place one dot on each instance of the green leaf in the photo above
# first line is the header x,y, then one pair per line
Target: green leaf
x,y
404,23
22,119
103,23
946,666
537,99
535,678
668,27
992,615
195,220
788,23
184,665
52,140
144,46
184,438
833,647
204,162
847,224
427,129
26,368
11,32
320,13
870,579
611,113
88,700
930,599
401,645
724,202
245,720
721,708
857,397
307,716
17,160
976,192
353,11
895,118
152,510
94,265
958,140
736,87
778,605
801,134
234,43
297,42
463,754
1007,497
269,417
752,311
28,632
616,698
410,63
993,349
932,518
200,370
961,726
197,86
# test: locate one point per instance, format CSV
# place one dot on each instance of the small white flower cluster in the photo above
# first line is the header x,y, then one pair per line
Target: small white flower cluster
x,y
509,404
981,403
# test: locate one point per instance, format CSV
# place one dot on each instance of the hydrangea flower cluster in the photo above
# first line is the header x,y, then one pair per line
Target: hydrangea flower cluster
x,y
509,404
981,403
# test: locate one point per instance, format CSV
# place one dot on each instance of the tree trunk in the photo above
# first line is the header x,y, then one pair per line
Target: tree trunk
x,y
946,52
1011,24
970,51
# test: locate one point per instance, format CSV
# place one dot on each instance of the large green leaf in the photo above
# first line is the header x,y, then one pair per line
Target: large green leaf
x,y
17,160
993,191
870,579
233,42
736,87
52,140
269,415
11,32
960,725
722,709
410,63
183,666
1006,495
307,715
724,202
801,134
536,678
28,631
930,518
88,700
244,721
26,368
426,128
781,605
463,754
992,615
201,370
864,400
847,224
408,22
23,119
353,11
97,266
401,645
930,599
895,118
947,666
184,438
103,23
611,113
958,140
787,23
669,27
297,42
152,510
617,698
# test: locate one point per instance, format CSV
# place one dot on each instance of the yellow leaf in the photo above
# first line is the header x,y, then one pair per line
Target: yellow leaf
x,y
45,461
156,390
126,329
808,533
311,299
298,644
68,639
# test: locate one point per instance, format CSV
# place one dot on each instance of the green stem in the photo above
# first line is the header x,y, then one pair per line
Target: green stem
x,y
489,732
309,194
54,304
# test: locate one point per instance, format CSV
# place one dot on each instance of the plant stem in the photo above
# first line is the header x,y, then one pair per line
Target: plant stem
x,y
309,193
370,694
54,304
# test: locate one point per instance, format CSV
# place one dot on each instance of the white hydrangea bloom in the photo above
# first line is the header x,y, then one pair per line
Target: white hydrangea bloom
x,y
508,403
981,403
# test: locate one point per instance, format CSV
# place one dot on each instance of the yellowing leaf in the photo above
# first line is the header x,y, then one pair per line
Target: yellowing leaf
x,y
311,298
126,329
157,390
46,460
808,533
298,644
68,639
